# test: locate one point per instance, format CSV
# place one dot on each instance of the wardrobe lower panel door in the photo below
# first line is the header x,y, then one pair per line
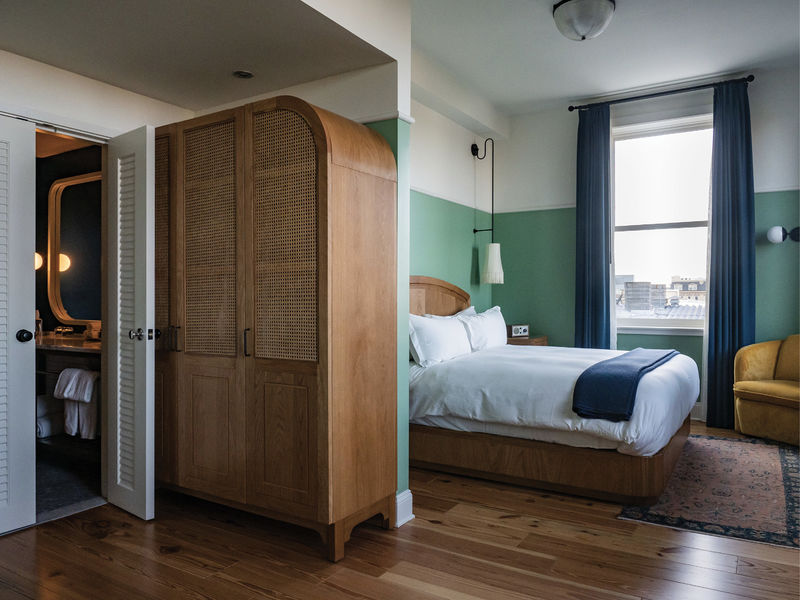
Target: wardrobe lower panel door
x,y
282,441
165,418
211,417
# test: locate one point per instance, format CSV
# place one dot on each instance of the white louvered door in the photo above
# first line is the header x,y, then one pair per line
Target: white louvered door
x,y
131,322
17,360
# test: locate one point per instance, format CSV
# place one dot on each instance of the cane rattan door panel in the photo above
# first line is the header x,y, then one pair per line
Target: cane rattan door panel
x,y
162,233
210,213
285,226
165,421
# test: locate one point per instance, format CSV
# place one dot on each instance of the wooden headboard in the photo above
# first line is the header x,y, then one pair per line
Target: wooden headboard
x,y
435,297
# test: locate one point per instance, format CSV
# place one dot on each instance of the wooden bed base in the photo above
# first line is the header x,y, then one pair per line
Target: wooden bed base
x,y
601,474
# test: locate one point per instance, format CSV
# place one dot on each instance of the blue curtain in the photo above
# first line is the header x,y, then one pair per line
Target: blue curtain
x,y
593,215
731,295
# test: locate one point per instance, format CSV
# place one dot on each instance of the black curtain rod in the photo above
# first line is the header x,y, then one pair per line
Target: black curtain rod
x,y
748,79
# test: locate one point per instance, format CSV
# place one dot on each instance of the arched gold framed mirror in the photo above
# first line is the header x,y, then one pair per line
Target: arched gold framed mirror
x,y
56,260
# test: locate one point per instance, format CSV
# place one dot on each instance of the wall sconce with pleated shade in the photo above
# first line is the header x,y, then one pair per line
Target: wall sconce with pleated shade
x,y
492,271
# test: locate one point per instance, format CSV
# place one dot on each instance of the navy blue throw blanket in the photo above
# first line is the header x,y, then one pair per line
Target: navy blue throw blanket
x,y
607,390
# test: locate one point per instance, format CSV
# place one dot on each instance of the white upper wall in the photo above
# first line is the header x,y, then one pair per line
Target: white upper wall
x,y
365,95
386,24
50,95
434,86
441,162
536,165
775,118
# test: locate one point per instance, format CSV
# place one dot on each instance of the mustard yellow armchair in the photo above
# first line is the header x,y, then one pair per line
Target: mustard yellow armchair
x,y
766,390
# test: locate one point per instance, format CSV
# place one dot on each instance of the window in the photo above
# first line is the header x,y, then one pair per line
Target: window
x,y
662,178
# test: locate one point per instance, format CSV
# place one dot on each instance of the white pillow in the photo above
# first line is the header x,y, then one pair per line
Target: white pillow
x,y
436,340
470,310
485,330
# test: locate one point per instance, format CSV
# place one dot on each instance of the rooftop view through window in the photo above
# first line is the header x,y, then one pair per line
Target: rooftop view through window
x,y
661,197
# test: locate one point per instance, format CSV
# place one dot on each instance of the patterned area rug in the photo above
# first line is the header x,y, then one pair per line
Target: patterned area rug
x,y
742,488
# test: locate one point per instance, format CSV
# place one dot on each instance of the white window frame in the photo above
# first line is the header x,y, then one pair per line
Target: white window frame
x,y
690,327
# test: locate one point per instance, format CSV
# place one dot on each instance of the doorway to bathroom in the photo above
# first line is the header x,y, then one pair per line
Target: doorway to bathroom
x,y
68,261
126,355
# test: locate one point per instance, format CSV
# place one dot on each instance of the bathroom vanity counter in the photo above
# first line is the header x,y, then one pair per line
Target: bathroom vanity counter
x,y
66,343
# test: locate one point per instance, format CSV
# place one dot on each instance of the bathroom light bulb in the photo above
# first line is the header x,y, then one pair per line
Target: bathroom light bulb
x,y
63,262
38,261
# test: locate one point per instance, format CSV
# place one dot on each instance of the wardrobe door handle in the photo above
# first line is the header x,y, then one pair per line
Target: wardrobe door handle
x,y
246,353
177,334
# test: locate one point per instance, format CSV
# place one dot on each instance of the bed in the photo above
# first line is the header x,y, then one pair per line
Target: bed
x,y
612,471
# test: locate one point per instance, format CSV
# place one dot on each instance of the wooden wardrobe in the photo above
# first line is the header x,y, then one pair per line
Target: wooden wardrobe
x,y
276,287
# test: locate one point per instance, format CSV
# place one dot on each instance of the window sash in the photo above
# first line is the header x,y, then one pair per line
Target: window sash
x,y
647,129
651,226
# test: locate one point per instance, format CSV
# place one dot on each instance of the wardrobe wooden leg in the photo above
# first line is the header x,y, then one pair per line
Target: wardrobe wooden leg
x,y
336,541
390,513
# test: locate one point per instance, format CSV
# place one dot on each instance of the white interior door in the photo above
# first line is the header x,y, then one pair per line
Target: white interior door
x,y
130,349
17,301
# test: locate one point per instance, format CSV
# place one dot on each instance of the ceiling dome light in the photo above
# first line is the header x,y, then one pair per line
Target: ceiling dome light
x,y
583,19
242,74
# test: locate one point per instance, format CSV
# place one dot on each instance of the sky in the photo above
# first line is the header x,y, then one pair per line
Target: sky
x,y
662,179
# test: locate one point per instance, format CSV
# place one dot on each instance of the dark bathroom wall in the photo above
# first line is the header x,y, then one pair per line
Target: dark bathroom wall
x,y
80,234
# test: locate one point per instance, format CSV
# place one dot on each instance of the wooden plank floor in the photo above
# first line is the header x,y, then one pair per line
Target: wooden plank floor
x,y
470,540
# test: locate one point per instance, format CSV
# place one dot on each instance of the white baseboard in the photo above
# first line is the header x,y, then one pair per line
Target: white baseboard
x,y
404,508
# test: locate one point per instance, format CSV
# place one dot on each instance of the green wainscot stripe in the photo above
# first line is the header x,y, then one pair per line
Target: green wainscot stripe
x,y
690,345
538,252
444,246
397,133
539,262
777,267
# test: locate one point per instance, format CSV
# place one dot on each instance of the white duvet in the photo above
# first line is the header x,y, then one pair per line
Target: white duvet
x,y
530,387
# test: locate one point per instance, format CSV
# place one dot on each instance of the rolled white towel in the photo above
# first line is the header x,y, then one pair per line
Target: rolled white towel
x,y
46,404
48,425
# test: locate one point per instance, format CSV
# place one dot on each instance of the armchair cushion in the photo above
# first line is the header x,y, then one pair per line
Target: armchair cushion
x,y
780,392
788,365
756,361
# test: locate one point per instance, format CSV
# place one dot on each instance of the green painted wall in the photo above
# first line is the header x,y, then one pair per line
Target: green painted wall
x,y
538,250
538,253
444,246
397,133
777,267
690,345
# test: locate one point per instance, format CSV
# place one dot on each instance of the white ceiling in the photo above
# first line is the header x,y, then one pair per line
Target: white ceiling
x,y
184,51
510,52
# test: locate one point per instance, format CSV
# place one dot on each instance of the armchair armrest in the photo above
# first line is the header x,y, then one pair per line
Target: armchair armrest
x,y
756,361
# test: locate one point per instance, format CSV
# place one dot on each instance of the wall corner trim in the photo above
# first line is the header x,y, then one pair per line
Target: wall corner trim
x,y
404,508
386,116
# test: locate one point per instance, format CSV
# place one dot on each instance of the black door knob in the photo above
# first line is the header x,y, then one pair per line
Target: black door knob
x,y
23,335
